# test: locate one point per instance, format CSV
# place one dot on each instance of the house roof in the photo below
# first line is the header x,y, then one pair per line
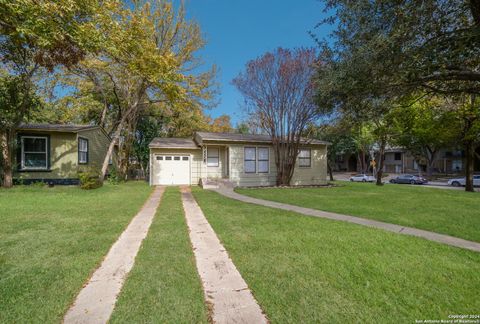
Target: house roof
x,y
174,143
56,127
204,137
233,137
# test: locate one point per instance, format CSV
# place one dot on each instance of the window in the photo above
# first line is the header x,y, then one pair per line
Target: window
x,y
82,150
168,158
250,160
34,153
212,157
185,158
304,158
263,159
398,156
176,158
159,158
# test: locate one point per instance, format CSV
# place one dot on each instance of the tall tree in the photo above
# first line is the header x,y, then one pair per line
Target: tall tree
x,y
221,124
423,127
341,142
242,128
147,129
467,114
17,100
364,141
58,32
36,34
18,97
148,61
278,90
431,46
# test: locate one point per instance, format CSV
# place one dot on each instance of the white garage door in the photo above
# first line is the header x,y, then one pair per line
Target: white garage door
x,y
171,170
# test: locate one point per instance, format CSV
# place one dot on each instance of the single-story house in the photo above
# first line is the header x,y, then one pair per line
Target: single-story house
x,y
57,153
244,160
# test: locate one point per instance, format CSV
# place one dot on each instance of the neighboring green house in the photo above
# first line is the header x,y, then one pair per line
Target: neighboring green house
x,y
55,154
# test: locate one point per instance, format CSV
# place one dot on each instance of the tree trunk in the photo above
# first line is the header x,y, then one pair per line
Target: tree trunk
x,y
431,155
116,137
381,158
475,10
7,148
470,159
429,169
330,172
285,162
364,162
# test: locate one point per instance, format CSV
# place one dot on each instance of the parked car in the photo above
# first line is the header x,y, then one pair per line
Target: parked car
x,y
362,178
461,181
409,179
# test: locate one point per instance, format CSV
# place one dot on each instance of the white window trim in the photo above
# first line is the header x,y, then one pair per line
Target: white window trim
x,y
256,159
213,157
268,160
310,158
22,156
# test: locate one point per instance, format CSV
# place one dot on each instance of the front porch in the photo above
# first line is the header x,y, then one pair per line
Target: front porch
x,y
216,162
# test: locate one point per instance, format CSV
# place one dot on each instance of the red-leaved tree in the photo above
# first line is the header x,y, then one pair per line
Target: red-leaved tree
x,y
278,92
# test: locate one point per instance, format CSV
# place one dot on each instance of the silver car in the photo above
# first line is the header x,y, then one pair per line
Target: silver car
x,y
461,181
362,178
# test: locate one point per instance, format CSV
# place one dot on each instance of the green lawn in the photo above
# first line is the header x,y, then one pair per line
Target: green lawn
x,y
443,211
51,241
164,286
304,269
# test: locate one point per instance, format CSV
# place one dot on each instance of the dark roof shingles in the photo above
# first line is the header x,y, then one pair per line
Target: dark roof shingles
x,y
225,137
170,142
55,127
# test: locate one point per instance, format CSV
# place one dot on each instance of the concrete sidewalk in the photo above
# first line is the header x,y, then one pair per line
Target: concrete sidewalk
x,y
224,287
95,302
432,236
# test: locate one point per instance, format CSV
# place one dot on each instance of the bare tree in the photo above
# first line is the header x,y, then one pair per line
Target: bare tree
x,y
278,92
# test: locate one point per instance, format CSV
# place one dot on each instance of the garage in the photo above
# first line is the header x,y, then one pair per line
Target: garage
x,y
171,170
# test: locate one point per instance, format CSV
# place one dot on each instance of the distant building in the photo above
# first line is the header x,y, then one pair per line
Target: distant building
x,y
399,160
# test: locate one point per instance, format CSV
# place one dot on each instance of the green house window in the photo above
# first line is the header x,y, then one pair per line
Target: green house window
x,y
82,150
34,153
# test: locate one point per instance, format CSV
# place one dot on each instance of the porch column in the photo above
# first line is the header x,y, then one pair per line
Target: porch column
x,y
205,169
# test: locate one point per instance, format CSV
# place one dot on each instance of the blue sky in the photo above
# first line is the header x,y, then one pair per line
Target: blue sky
x,y
240,30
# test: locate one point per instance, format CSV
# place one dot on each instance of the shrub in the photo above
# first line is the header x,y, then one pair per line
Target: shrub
x,y
90,178
38,184
113,176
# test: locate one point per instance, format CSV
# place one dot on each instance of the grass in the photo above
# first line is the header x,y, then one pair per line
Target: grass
x,y
164,286
51,241
303,269
449,212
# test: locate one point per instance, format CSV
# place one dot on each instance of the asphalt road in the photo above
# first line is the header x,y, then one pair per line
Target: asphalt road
x,y
432,184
